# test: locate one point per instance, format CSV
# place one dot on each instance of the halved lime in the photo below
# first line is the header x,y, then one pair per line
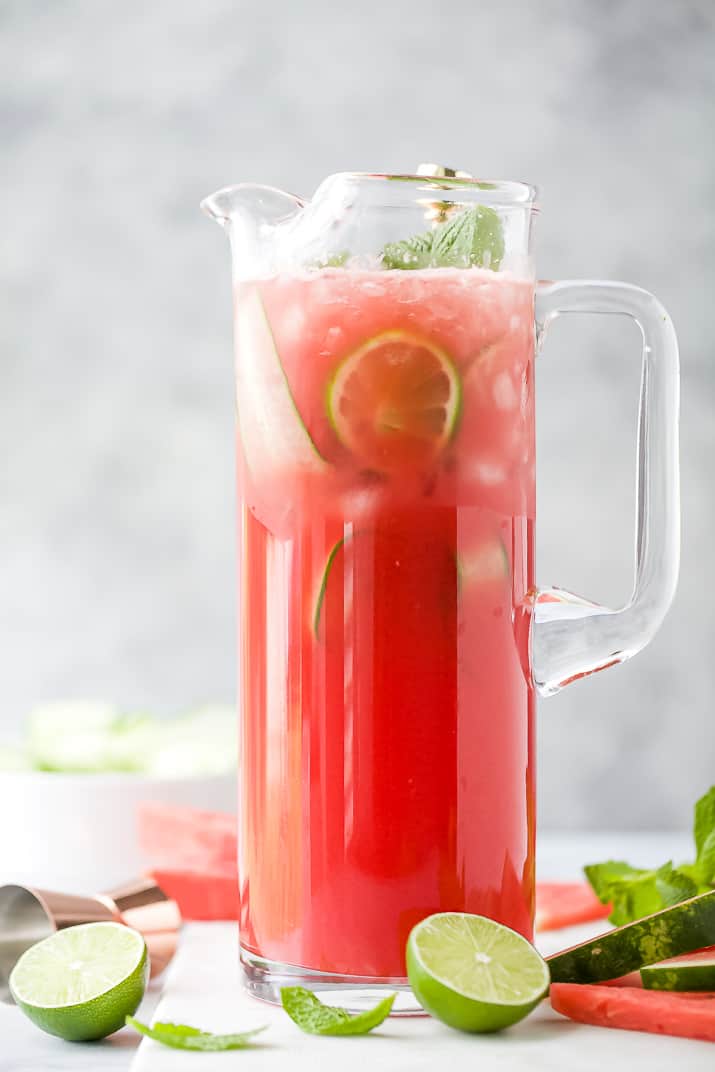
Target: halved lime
x,y
81,983
473,973
395,401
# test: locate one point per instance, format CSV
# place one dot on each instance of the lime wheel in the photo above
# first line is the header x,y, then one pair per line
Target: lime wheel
x,y
395,402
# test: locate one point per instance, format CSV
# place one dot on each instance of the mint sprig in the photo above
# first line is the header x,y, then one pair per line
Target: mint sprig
x,y
704,834
415,252
308,1012
183,1037
472,238
636,892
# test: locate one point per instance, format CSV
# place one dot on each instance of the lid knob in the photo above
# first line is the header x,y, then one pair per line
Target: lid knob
x,y
439,171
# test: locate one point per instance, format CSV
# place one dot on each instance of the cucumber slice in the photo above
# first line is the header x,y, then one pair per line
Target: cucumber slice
x,y
72,736
204,742
13,759
320,599
682,928
683,973
273,435
488,562
90,738
134,739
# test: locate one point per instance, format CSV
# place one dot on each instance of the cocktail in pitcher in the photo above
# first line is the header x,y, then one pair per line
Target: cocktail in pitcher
x,y
392,637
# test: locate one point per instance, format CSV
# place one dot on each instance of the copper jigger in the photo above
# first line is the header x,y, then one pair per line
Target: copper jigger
x,y
143,905
27,915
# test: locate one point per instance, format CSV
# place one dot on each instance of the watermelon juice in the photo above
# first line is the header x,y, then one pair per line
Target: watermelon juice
x,y
386,481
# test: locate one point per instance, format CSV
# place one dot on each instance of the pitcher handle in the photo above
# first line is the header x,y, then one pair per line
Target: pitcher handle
x,y
572,637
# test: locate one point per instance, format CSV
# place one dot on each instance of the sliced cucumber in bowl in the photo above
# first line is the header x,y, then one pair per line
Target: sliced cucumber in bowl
x,y
72,736
94,738
204,742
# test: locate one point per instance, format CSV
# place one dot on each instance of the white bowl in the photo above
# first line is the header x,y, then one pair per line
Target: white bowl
x,y
77,833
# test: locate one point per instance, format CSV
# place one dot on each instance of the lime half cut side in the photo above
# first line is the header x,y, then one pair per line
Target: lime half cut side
x,y
395,402
81,983
473,973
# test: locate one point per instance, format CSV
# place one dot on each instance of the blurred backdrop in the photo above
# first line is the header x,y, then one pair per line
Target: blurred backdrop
x,y
117,573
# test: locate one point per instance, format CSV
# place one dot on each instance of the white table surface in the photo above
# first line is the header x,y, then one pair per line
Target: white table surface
x,y
201,988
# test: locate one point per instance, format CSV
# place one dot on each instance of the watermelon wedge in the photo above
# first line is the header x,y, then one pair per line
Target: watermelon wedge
x,y
682,928
201,895
694,971
564,904
178,838
684,1015
193,857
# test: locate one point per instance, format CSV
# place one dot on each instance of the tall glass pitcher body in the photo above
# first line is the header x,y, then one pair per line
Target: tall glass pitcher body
x,y
385,396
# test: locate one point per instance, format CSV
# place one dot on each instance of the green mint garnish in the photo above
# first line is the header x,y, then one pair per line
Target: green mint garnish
x,y
311,1016
636,892
472,238
411,253
674,885
333,260
704,834
183,1037
631,891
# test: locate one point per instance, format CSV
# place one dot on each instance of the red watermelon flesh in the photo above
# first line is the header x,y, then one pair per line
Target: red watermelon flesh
x,y
686,1015
201,895
688,958
563,904
193,857
179,838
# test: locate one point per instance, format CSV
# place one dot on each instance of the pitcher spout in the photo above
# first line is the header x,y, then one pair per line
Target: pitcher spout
x,y
251,205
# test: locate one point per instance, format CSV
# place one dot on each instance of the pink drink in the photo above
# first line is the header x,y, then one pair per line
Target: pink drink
x,y
387,731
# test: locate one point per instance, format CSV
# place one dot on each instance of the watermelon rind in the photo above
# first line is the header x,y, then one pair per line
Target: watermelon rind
x,y
679,929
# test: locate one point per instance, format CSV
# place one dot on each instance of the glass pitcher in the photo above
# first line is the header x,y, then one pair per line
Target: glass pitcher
x,y
392,638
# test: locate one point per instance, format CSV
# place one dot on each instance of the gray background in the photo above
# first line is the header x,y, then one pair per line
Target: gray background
x,y
116,487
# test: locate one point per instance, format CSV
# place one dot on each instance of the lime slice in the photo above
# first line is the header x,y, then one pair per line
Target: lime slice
x,y
395,402
273,436
81,983
473,973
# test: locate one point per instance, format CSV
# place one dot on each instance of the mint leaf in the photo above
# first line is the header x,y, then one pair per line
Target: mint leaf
x,y
183,1037
673,885
704,834
474,237
602,876
692,871
413,252
333,260
706,860
632,892
635,892
635,897
311,1016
